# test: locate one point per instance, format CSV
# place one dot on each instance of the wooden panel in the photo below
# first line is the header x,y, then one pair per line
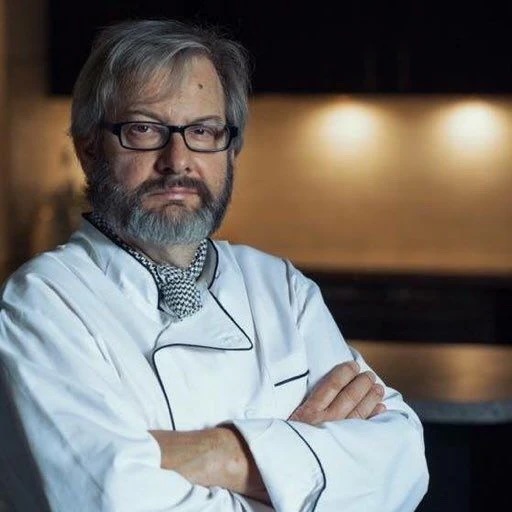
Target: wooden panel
x,y
462,373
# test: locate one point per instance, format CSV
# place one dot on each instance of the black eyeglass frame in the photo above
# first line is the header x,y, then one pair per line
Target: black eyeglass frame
x,y
116,129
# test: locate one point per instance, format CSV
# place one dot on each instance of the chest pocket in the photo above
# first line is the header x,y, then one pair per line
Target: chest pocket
x,y
290,379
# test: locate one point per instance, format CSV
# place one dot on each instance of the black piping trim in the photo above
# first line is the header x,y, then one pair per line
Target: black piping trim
x,y
195,346
318,462
216,262
233,320
163,389
87,217
289,379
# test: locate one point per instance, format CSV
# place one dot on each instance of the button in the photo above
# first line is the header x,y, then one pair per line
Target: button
x,y
250,413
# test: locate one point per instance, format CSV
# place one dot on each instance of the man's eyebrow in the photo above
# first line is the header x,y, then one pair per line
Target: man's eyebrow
x,y
202,119
154,115
141,112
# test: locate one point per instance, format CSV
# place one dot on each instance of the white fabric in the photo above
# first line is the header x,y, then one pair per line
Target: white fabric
x,y
94,365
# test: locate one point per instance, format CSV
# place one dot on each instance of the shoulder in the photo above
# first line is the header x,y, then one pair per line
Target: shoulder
x,y
246,258
267,267
44,273
245,253
47,264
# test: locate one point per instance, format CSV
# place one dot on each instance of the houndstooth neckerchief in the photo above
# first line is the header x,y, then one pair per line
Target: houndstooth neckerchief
x,y
177,290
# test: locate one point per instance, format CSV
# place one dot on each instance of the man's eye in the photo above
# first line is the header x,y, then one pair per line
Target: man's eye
x,y
203,131
140,128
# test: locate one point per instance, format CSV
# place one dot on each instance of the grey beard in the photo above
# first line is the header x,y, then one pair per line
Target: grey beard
x,y
124,211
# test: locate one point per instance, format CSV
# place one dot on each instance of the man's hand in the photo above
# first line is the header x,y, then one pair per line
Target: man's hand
x,y
212,457
342,393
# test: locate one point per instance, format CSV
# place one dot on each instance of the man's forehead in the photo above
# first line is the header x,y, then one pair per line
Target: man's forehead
x,y
165,82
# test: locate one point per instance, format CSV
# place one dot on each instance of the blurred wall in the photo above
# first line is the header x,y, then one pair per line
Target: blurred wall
x,y
3,144
385,182
38,147
379,182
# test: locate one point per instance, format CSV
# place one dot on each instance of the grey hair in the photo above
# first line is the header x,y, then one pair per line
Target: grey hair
x,y
125,55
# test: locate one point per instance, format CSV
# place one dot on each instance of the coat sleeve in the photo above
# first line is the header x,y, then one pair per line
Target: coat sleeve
x,y
374,465
92,448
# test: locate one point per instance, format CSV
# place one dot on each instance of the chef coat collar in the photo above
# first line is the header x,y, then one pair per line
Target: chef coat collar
x,y
127,273
222,279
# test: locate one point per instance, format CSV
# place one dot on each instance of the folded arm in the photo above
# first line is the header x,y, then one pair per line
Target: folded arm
x,y
88,437
316,461
95,453
220,456
352,444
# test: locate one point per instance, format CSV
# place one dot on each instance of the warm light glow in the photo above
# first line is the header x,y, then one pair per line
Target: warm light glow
x,y
473,128
351,124
345,130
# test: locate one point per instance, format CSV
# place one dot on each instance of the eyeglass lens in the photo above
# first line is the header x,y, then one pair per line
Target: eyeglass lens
x,y
153,136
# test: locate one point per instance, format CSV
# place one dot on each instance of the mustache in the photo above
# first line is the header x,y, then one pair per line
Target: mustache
x,y
166,182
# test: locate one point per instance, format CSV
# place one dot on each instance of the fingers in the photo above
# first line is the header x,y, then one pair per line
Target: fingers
x,y
370,404
342,393
356,399
311,411
331,384
379,409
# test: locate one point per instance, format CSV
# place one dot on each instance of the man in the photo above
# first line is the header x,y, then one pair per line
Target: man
x,y
155,369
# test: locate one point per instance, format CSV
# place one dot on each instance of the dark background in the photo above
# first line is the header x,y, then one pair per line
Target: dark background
x,y
344,46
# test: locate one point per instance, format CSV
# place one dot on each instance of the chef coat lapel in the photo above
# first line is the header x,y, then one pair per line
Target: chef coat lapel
x,y
230,290
211,327
225,320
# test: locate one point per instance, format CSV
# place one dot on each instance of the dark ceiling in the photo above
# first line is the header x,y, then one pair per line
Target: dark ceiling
x,y
351,46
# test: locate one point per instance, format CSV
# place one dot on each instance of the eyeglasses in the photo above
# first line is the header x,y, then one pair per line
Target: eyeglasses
x,y
149,135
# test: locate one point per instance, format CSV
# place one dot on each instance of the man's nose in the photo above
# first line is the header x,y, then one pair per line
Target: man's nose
x,y
175,157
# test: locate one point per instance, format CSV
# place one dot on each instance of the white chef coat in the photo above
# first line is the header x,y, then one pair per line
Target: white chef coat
x,y
94,364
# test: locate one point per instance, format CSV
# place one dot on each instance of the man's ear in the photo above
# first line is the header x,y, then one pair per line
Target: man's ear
x,y
86,150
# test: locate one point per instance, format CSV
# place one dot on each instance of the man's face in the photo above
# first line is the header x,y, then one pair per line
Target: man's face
x,y
171,195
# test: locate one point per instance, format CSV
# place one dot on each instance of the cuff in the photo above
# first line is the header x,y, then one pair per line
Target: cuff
x,y
290,469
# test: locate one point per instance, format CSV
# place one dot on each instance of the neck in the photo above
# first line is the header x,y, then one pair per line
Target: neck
x,y
177,255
